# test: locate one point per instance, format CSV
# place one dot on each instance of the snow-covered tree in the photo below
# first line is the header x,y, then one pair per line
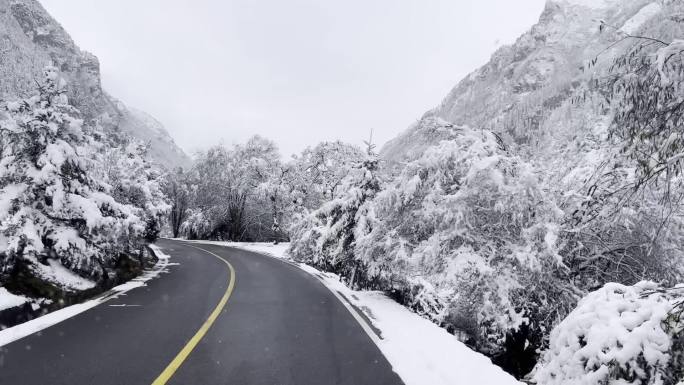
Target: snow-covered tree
x,y
134,181
465,236
176,188
236,194
624,224
327,236
52,205
625,228
316,175
648,90
218,197
267,175
277,194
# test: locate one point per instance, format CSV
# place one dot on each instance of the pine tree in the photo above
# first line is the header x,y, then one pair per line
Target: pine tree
x,y
51,206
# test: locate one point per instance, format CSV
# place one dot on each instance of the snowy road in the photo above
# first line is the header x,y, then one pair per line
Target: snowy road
x,y
279,326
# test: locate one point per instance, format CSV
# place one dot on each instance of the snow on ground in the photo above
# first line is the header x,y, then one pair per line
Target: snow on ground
x,y
9,300
140,281
418,350
55,273
27,328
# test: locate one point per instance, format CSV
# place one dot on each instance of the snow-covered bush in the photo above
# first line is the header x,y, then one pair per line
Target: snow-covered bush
x,y
624,217
618,335
648,97
624,225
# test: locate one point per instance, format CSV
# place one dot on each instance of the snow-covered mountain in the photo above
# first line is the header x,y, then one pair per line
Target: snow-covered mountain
x,y
31,39
542,134
518,90
162,148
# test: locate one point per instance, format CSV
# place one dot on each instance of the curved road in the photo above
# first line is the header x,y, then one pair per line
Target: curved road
x,y
280,326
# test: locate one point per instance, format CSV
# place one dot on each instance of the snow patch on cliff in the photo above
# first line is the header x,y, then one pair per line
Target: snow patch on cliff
x,y
646,13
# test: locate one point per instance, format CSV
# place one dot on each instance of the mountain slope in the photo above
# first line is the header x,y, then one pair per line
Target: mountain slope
x,y
531,174
516,92
31,39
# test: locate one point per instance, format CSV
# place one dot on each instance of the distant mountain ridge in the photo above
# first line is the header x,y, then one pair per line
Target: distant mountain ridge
x,y
30,39
516,92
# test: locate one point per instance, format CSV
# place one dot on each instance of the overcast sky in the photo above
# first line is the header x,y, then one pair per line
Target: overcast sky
x,y
296,71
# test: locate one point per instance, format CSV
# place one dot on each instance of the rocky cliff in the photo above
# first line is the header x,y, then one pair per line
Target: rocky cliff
x,y
31,39
518,92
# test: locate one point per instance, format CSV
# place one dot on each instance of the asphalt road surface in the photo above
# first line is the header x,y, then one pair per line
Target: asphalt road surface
x,y
279,326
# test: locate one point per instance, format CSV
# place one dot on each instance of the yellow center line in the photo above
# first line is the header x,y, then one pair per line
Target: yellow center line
x,y
166,375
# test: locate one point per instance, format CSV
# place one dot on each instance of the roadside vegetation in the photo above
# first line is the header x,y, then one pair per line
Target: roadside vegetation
x,y
549,238
527,249
78,202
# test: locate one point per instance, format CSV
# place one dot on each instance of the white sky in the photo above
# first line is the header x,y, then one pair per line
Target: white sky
x,y
297,71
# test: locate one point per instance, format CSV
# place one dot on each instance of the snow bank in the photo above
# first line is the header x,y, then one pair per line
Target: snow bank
x,y
55,273
617,334
27,328
418,350
9,300
140,281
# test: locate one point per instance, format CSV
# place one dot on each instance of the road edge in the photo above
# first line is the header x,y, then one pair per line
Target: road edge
x,y
43,322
